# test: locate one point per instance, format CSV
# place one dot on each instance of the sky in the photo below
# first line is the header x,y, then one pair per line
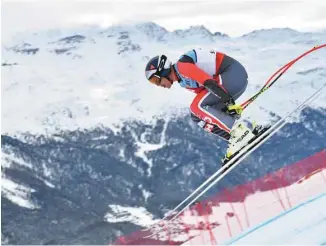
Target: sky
x,y
233,17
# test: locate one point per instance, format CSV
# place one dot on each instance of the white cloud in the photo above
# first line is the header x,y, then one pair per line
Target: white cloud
x,y
232,17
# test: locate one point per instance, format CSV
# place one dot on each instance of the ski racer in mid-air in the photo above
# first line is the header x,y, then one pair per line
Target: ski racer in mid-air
x,y
218,80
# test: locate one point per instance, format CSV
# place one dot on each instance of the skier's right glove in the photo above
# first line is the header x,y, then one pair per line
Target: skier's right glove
x,y
235,110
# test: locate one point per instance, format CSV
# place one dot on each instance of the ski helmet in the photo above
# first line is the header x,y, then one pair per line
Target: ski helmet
x,y
158,66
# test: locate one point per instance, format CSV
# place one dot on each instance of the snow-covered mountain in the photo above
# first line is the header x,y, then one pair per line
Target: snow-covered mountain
x,y
74,79
83,132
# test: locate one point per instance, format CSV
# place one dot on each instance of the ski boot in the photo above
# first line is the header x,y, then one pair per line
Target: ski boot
x,y
240,135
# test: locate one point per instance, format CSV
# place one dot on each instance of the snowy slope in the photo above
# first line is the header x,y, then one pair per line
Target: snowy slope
x,y
244,211
297,207
71,79
304,224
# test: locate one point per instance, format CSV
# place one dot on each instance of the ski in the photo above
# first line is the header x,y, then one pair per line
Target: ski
x,y
234,161
235,155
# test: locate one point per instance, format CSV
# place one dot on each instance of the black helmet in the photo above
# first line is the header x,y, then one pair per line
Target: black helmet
x,y
158,66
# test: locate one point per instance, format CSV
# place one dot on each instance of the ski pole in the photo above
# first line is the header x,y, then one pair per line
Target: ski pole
x,y
278,74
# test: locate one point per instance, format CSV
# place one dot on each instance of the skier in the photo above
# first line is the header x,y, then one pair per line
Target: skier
x,y
218,80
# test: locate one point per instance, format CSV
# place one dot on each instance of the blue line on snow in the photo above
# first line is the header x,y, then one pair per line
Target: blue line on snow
x,y
273,219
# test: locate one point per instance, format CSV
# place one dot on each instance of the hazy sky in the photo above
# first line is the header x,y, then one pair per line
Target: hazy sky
x,y
234,17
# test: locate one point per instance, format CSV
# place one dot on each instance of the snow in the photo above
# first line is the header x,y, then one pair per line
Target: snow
x,y
144,146
260,205
8,161
303,224
146,194
137,215
17,193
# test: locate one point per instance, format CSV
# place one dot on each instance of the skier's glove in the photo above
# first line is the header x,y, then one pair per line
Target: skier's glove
x,y
233,109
